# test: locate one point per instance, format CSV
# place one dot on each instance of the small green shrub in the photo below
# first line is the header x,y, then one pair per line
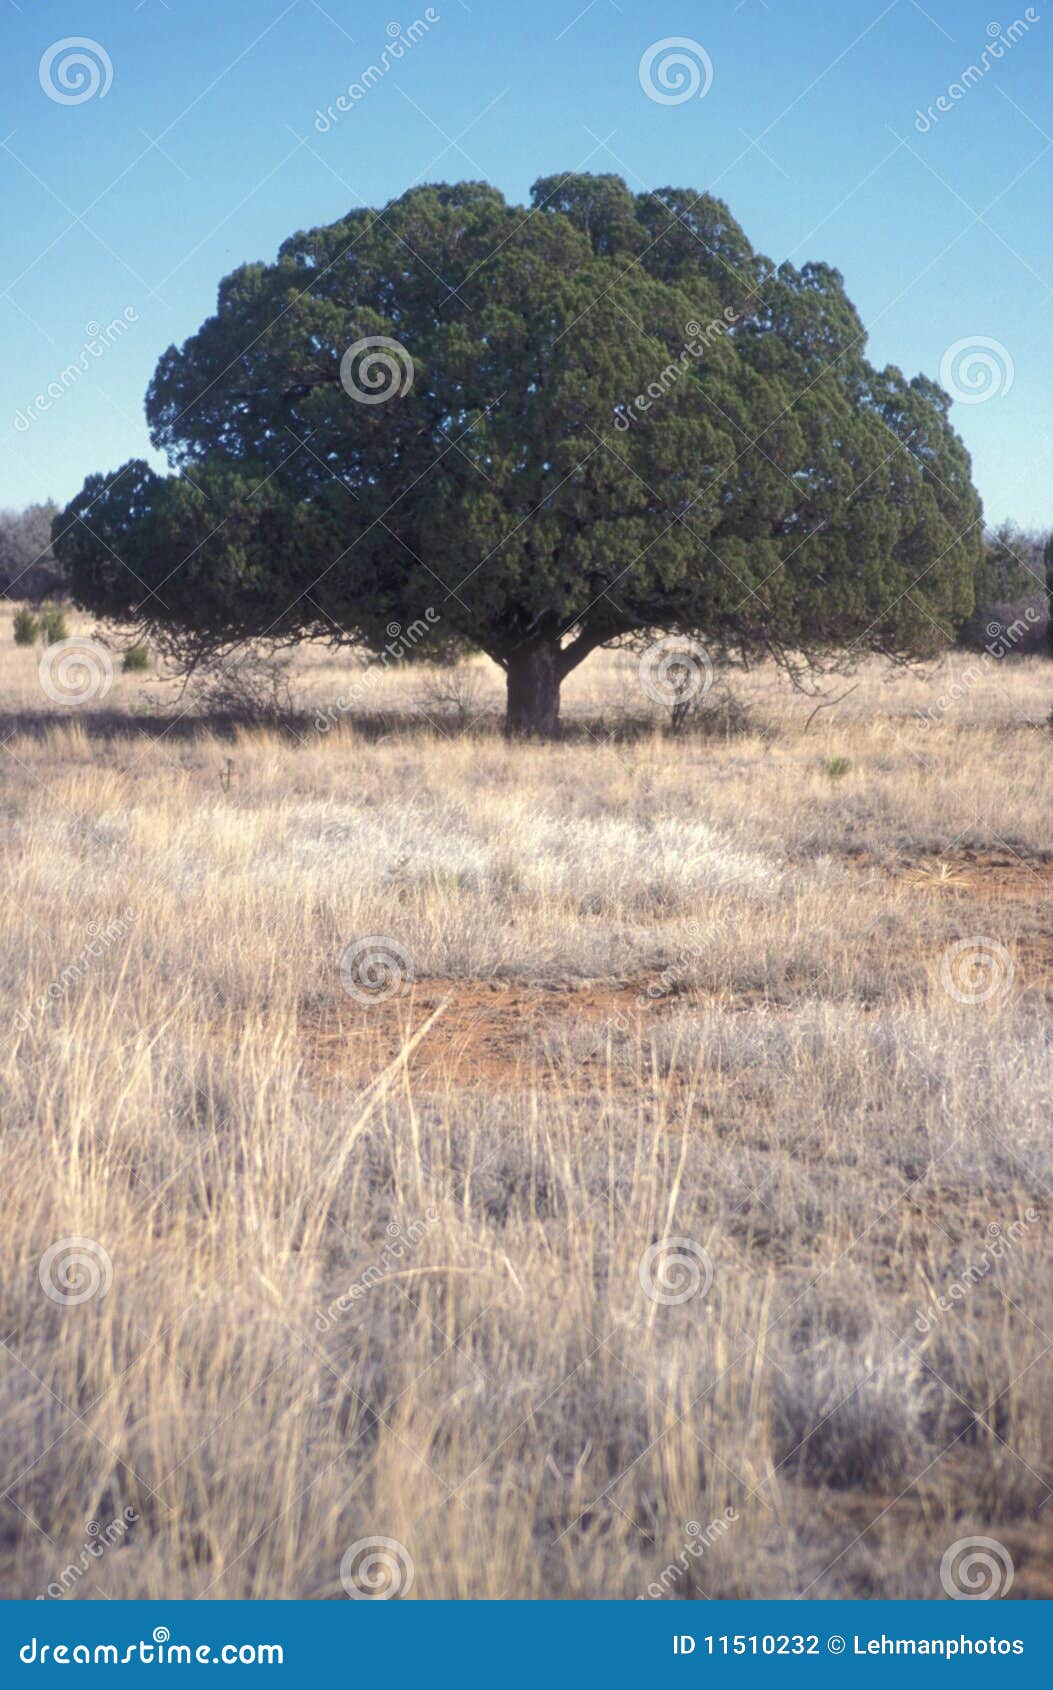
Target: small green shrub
x,y
25,627
136,659
836,767
53,625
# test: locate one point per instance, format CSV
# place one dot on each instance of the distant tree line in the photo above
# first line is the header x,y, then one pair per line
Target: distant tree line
x,y
29,569
1012,592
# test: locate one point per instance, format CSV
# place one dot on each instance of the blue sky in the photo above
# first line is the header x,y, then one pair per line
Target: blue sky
x,y
204,153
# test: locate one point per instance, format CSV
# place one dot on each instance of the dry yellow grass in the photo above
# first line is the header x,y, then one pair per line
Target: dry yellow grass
x,y
703,990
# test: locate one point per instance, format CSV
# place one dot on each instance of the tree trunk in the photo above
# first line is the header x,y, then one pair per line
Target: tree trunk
x,y
533,690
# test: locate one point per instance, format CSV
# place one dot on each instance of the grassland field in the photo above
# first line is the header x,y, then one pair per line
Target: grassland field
x,y
613,1168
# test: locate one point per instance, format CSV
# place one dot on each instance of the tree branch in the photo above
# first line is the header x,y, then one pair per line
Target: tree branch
x,y
574,653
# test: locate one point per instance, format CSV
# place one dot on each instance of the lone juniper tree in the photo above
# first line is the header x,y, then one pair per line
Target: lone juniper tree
x,y
604,417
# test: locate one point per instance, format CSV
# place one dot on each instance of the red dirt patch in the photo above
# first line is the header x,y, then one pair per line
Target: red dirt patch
x,y
490,1033
495,1033
980,874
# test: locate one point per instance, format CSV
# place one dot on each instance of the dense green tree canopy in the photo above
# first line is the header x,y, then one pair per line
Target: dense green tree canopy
x,y
603,416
